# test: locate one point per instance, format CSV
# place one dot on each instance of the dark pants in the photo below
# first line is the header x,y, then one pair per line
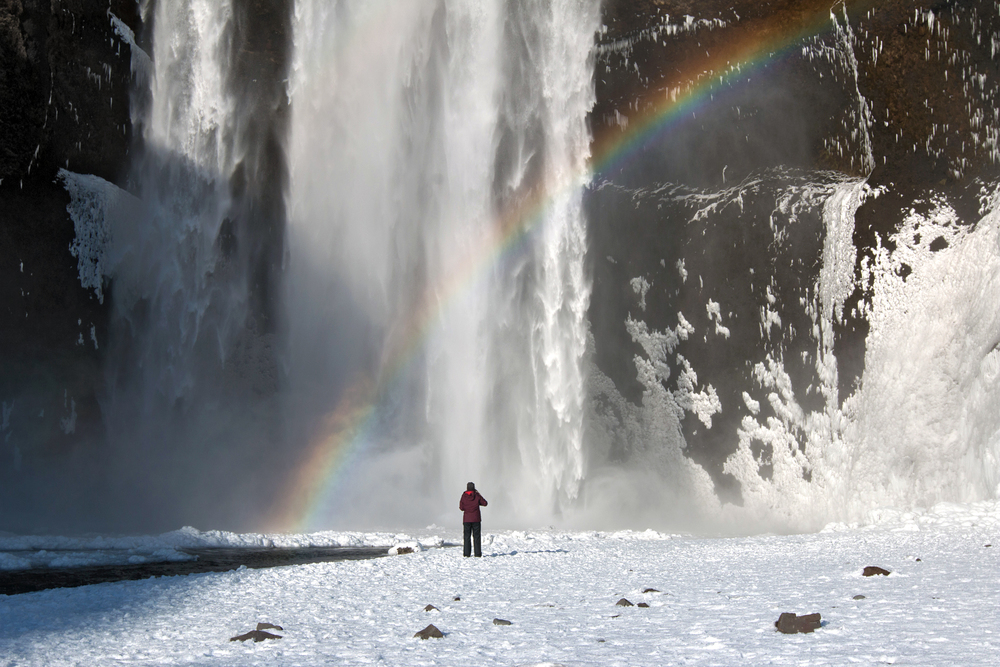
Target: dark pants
x,y
473,533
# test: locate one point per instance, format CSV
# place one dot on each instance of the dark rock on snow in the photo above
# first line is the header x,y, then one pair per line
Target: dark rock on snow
x,y
428,632
789,624
431,607
872,570
643,605
624,603
858,597
500,621
650,590
256,635
457,598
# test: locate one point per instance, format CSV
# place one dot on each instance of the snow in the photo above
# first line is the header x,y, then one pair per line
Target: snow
x,y
39,551
716,603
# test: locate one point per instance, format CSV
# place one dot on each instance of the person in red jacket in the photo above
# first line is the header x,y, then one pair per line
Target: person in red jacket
x,y
472,520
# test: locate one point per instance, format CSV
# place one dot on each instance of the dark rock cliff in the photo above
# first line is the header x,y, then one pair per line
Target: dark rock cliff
x,y
902,92
64,103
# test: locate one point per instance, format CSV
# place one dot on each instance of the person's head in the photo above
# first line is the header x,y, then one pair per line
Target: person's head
x,y
470,487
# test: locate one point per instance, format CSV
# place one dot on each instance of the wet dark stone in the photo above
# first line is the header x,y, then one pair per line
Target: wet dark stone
x,y
256,635
624,603
428,632
790,624
872,570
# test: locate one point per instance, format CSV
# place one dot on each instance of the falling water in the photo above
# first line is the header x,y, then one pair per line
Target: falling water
x,y
424,138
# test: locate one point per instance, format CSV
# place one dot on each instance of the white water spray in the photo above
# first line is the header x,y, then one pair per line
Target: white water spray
x,y
418,132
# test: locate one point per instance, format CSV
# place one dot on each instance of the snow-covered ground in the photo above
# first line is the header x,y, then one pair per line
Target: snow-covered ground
x,y
716,603
18,552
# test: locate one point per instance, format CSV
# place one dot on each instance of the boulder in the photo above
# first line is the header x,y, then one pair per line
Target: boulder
x,y
428,632
624,603
872,570
500,621
256,635
643,605
790,624
431,607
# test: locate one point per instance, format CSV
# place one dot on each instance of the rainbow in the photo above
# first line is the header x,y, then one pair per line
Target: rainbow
x,y
343,436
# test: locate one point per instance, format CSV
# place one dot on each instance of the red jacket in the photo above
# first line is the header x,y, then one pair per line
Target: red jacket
x,y
470,502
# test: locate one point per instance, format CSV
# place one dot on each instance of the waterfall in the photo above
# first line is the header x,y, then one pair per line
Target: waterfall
x,y
436,241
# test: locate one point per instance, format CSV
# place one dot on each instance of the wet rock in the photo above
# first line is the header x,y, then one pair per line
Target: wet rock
x,y
431,607
790,624
624,603
500,621
256,635
872,570
270,626
643,605
428,632
858,597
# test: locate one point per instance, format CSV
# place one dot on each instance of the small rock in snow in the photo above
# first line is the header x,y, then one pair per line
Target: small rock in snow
x,y
457,598
256,635
789,624
642,604
428,632
624,603
431,607
270,626
858,597
651,590
500,621
872,570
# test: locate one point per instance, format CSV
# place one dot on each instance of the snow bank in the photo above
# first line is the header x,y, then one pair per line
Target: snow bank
x,y
18,552
947,516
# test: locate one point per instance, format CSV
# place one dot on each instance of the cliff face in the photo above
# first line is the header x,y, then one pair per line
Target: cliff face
x,y
64,103
900,92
